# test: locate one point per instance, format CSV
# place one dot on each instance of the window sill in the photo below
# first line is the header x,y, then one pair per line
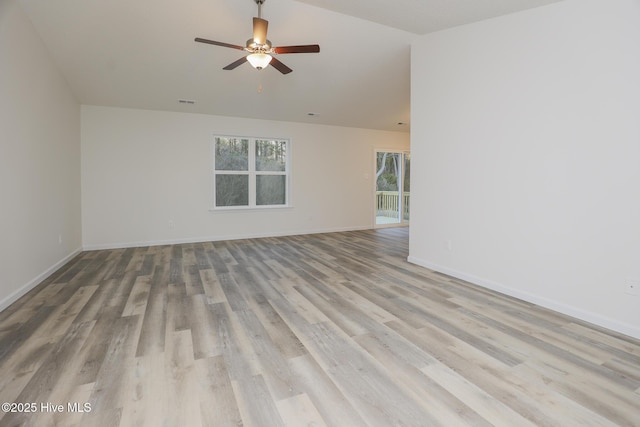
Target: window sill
x,y
236,209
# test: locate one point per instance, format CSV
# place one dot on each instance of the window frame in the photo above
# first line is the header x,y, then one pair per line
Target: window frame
x,y
252,174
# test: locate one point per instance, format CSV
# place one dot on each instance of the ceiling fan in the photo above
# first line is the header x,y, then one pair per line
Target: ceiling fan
x,y
261,51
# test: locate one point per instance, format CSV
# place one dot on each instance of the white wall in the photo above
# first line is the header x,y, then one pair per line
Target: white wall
x,y
39,159
142,169
526,156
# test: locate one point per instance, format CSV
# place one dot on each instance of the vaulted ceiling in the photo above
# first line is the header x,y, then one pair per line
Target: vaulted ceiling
x,y
142,54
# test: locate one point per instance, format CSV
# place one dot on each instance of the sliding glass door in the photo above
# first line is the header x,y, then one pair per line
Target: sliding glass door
x,y
392,188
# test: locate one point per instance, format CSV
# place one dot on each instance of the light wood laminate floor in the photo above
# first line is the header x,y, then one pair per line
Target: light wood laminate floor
x,y
329,329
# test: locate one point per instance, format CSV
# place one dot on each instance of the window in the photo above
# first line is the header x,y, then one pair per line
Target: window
x,y
250,172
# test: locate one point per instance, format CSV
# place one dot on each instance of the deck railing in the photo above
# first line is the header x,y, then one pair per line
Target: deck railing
x,y
387,204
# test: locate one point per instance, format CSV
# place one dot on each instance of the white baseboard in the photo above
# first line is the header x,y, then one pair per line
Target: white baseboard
x,y
578,313
14,296
94,247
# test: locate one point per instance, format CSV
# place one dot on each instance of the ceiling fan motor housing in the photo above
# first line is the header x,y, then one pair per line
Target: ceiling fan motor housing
x,y
254,47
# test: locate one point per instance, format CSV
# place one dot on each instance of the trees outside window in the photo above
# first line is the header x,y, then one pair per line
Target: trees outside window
x,y
392,187
250,172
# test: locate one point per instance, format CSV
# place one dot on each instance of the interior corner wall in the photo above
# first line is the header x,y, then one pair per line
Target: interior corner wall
x,y
525,149
40,224
147,178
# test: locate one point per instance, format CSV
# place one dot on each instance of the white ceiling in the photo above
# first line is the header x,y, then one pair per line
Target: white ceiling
x,y
141,54
426,16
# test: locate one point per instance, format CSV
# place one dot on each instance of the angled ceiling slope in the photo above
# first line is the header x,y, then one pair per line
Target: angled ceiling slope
x,y
141,54
426,16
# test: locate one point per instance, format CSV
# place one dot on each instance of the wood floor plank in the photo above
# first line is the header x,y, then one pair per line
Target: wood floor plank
x,y
273,366
284,339
327,398
202,323
256,405
436,400
64,315
22,366
18,333
604,338
334,310
376,397
491,410
155,315
113,377
71,418
146,400
52,370
182,391
137,301
254,401
218,405
298,410
297,302
477,367
334,329
587,405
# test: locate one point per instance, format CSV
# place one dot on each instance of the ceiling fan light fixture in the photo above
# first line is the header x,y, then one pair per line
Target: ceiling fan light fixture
x,y
259,60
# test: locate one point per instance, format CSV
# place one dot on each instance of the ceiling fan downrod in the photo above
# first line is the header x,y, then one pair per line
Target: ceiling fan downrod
x,y
259,3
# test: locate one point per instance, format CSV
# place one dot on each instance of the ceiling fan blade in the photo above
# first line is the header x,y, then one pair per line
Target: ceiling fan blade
x,y
236,63
260,30
232,46
307,48
280,66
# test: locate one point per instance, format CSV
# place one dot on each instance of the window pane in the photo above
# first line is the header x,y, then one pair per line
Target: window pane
x,y
232,154
270,190
232,190
387,165
271,155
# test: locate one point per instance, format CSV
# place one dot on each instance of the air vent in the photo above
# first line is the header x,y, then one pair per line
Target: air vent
x,y
186,101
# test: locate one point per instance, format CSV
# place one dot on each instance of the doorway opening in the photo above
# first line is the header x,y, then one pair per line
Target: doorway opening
x,y
392,191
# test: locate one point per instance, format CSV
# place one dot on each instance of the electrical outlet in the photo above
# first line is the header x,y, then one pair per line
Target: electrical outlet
x,y
632,287
171,224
